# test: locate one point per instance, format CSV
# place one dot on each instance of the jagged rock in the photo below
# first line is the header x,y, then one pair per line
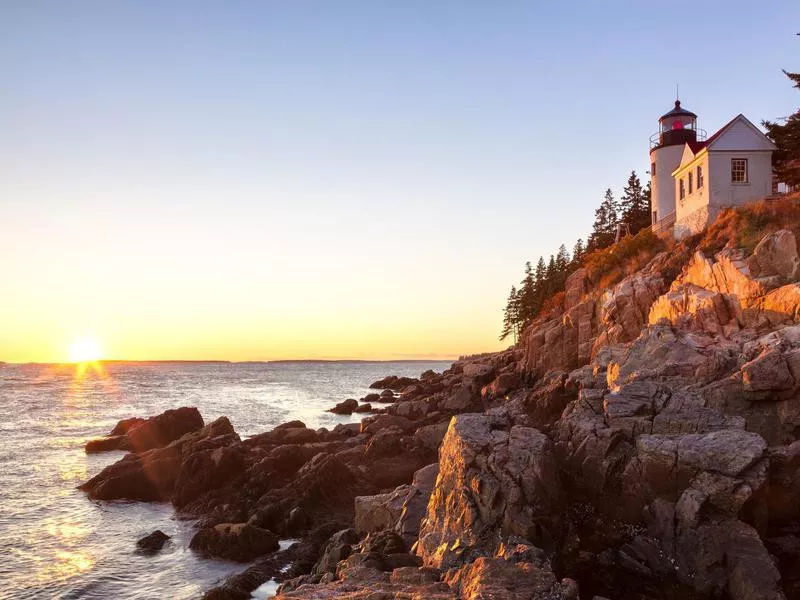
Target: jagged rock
x,y
338,548
151,475
138,435
492,483
124,425
381,511
415,504
464,398
768,371
776,254
158,431
204,470
502,580
480,373
152,543
393,382
429,437
502,385
373,425
239,542
387,442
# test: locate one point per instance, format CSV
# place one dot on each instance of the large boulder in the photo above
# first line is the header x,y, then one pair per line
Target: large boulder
x,y
158,431
381,511
240,542
138,434
151,475
776,254
416,501
494,481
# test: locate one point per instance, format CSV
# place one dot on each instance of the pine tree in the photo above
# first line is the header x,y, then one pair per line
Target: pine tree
x,y
510,316
527,293
550,276
562,267
604,229
786,135
634,205
577,253
540,284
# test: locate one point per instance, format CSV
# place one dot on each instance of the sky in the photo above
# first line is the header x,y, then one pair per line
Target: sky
x,y
351,179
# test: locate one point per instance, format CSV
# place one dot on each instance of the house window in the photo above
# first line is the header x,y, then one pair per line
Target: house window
x,y
739,170
681,189
699,177
690,182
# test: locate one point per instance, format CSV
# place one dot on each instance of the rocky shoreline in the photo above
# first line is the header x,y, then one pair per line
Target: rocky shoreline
x,y
641,441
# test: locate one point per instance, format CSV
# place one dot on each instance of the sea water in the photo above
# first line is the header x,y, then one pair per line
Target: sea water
x,y
56,543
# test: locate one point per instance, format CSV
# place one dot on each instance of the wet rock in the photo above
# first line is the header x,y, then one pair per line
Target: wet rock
x,y
123,426
392,382
151,475
153,543
240,542
107,444
345,408
364,408
138,434
158,431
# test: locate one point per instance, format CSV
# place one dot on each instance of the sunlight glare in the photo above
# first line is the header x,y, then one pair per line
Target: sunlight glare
x,y
84,350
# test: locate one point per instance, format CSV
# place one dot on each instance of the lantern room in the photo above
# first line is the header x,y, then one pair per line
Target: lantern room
x,y
678,126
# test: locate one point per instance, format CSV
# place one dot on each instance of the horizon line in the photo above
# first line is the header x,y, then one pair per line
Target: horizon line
x,y
235,362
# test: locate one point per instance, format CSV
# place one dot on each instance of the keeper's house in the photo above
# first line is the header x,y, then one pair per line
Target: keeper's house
x,y
694,178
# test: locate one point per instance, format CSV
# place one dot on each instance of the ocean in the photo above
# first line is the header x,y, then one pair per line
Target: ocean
x,y
56,543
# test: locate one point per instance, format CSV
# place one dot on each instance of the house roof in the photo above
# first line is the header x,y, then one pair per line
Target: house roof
x,y
678,112
695,147
719,131
698,147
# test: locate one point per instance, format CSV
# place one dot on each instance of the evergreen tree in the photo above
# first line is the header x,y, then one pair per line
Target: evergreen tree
x,y
578,252
510,316
527,294
562,267
550,277
540,283
634,205
604,229
786,135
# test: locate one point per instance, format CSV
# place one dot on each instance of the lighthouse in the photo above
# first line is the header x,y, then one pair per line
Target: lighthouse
x,y
675,129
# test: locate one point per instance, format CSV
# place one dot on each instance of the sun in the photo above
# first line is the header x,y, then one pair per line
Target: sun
x,y
84,350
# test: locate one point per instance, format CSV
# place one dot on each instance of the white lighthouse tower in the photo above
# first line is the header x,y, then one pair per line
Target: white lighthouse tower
x,y
675,129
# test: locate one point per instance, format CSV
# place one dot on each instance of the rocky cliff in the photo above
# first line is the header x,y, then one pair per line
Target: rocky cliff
x,y
642,441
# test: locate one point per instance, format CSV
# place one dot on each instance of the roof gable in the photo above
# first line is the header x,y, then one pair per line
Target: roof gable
x,y
739,134
690,152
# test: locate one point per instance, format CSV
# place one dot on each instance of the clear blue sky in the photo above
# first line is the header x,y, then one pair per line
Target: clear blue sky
x,y
333,178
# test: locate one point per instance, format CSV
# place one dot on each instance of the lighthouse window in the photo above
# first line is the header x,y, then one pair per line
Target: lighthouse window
x,y
739,170
699,177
